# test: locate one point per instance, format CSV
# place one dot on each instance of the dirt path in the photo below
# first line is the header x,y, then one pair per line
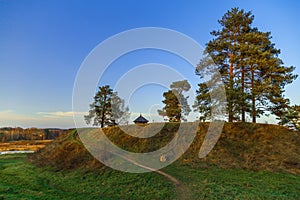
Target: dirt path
x,y
175,181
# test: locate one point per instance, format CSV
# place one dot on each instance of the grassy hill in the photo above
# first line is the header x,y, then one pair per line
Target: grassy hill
x,y
249,162
247,146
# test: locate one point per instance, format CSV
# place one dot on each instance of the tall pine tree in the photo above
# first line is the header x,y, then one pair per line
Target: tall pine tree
x,y
253,75
225,51
108,109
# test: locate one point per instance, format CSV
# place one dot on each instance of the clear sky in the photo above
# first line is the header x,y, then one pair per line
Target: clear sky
x,y
43,43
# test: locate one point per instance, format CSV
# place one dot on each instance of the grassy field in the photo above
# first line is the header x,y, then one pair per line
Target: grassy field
x,y
22,180
23,145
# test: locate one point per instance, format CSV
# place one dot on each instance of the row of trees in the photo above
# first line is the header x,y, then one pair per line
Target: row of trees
x,y
253,75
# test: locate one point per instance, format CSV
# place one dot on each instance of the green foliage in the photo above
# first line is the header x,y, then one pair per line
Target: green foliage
x,y
203,102
253,75
172,109
176,105
107,109
291,117
180,86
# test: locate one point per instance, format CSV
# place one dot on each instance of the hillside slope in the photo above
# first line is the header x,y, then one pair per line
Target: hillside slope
x,y
241,145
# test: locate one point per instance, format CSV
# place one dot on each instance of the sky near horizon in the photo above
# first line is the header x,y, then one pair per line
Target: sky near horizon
x,y
43,44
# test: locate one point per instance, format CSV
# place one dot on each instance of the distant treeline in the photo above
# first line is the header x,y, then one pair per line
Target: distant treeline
x,y
15,134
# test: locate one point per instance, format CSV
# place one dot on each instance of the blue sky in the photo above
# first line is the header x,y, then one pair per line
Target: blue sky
x,y
43,43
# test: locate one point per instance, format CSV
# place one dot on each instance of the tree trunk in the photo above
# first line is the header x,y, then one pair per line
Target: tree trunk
x,y
230,102
253,109
243,95
253,98
103,112
102,120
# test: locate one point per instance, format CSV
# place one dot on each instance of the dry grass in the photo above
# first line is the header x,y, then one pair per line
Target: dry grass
x,y
66,152
251,146
242,145
24,145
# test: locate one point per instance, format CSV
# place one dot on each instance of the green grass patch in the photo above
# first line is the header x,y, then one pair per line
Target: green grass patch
x,y
22,180
216,183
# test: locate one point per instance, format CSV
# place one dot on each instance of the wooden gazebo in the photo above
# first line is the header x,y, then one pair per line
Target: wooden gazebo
x,y
141,120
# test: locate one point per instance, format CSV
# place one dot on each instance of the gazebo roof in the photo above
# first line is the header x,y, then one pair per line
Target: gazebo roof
x,y
140,119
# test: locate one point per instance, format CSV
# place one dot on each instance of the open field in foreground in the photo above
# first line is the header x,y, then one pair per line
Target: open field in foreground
x,y
22,180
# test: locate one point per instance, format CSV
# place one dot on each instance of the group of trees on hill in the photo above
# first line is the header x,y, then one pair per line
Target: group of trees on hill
x,y
253,75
